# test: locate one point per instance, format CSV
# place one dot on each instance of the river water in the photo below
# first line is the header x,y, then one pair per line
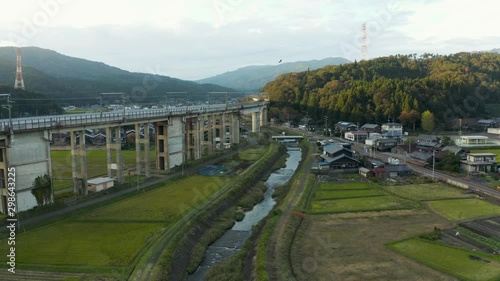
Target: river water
x,y
234,239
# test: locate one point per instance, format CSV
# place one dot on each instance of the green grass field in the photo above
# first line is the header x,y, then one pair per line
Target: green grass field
x,y
84,243
453,261
431,191
496,151
464,209
339,194
113,235
350,185
378,203
96,165
165,203
252,154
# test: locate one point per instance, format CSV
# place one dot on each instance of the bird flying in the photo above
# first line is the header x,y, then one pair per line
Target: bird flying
x,y
280,60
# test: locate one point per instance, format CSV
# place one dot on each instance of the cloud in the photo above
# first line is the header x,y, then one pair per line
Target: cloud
x,y
194,39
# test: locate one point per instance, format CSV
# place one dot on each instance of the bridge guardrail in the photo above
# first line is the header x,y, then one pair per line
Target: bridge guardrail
x,y
68,120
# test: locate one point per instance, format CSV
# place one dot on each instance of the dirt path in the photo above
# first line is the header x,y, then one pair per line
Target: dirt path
x,y
274,245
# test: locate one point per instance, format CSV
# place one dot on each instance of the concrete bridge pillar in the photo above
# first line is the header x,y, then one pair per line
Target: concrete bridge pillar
x,y
207,137
140,155
193,144
162,156
255,122
79,163
235,128
119,156
117,146
263,117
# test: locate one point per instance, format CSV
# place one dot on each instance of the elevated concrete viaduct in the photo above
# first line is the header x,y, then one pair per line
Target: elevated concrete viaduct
x,y
180,134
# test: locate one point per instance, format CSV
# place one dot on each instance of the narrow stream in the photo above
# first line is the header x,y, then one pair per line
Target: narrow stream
x,y
233,239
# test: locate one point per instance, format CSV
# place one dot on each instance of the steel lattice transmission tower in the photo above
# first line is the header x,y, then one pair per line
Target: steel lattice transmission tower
x,y
364,47
19,83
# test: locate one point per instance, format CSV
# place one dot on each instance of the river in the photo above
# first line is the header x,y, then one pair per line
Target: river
x,y
234,239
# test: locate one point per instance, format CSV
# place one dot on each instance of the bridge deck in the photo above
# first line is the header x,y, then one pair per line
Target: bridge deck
x,y
68,121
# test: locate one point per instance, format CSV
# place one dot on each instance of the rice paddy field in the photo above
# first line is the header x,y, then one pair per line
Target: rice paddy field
x,y
464,209
430,191
361,231
355,197
96,165
113,235
465,264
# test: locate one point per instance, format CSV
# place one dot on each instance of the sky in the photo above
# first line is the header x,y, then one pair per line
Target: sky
x,y
196,39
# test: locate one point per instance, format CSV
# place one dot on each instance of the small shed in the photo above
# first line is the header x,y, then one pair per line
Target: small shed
x,y
99,184
365,172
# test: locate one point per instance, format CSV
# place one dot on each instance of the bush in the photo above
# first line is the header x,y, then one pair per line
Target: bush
x,y
432,236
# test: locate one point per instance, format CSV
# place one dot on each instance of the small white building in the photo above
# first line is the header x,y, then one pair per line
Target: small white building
x,y
473,140
99,184
372,138
392,129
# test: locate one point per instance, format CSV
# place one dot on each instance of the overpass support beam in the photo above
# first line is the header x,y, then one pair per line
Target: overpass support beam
x,y
255,122
162,155
117,146
208,141
263,117
235,128
193,144
79,163
141,157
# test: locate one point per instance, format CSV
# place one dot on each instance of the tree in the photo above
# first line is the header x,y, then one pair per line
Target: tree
x,y
447,141
428,121
413,116
449,162
42,190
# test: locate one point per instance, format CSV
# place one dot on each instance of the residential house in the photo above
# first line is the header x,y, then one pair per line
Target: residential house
x,y
372,138
479,162
357,136
60,139
306,121
486,123
385,144
345,126
371,128
380,172
428,143
397,170
421,158
99,139
392,129
456,150
339,157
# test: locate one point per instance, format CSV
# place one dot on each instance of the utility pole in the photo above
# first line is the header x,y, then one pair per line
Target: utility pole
x,y
433,161
357,132
460,132
326,124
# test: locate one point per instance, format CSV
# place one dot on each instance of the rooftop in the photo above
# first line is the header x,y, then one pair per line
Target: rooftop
x,y
99,180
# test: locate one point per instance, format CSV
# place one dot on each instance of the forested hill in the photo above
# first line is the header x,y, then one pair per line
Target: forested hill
x,y
451,87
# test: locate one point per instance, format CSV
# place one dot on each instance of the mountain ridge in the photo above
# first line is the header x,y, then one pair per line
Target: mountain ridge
x,y
64,77
254,77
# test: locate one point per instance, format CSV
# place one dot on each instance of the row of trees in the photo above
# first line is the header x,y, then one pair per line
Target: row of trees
x,y
403,87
